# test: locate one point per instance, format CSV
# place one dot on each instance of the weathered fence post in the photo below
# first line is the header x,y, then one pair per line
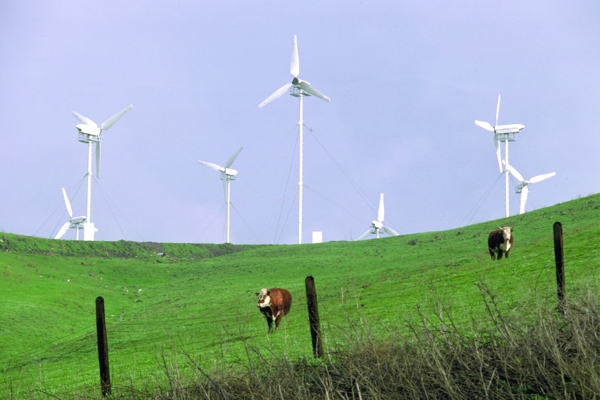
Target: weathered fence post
x,y
313,316
102,347
560,266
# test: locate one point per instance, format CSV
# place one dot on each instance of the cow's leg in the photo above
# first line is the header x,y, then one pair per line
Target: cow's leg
x,y
276,315
270,323
499,254
269,316
506,253
277,319
492,253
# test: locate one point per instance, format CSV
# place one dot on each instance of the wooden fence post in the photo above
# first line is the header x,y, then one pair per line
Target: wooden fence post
x,y
102,347
560,266
313,316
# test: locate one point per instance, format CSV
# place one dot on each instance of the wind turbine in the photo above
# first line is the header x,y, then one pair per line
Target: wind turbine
x,y
76,223
227,175
377,226
297,88
90,133
502,133
523,186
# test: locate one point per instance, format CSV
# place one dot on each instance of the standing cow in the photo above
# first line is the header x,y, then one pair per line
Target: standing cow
x,y
500,241
274,304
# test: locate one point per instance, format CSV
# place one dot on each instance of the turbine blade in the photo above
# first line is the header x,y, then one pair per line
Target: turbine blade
x,y
364,235
381,210
112,120
278,93
524,193
515,173
97,159
497,111
485,125
67,203
312,91
390,231
498,156
540,178
85,120
295,62
232,158
212,166
62,230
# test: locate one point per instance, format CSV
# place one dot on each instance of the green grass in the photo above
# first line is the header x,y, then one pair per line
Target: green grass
x,y
200,300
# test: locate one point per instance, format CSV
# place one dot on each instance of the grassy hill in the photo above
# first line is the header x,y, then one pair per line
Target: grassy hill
x,y
199,299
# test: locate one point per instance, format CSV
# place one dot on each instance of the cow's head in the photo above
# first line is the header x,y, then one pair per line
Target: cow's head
x,y
264,300
506,232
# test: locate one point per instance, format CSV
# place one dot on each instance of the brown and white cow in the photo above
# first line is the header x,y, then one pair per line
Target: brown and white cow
x,y
500,241
274,303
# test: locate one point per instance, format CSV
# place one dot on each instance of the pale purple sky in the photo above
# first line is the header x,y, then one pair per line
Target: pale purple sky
x,y
406,82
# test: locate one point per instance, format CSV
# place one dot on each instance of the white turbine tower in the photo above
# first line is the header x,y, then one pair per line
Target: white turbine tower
x,y
523,186
377,226
227,175
90,133
76,222
502,133
297,88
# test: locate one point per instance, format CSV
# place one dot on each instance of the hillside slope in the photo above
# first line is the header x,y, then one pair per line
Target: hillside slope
x,y
199,299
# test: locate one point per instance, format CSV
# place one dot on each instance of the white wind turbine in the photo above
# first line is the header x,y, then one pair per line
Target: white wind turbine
x,y
227,175
297,88
377,226
502,133
90,133
523,186
74,222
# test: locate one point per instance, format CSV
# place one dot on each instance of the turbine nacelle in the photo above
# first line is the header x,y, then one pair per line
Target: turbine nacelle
x,y
508,129
77,220
377,225
500,129
226,172
501,132
229,173
520,186
88,129
297,87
